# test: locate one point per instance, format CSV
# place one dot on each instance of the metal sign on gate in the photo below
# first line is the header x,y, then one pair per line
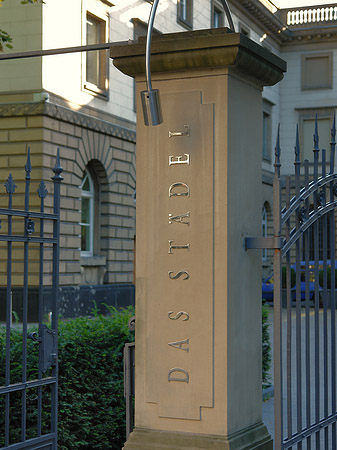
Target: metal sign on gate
x,y
28,392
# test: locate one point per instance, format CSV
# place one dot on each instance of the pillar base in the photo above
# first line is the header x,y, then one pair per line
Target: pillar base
x,y
252,438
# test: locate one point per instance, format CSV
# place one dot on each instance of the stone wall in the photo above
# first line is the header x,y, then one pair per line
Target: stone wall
x,y
109,151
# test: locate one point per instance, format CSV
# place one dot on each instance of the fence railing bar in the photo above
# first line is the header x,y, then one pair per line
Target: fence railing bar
x,y
315,428
316,295
325,309
31,214
10,188
39,443
298,336
28,385
313,217
332,288
42,192
289,324
35,239
28,169
296,202
307,311
278,404
129,355
57,179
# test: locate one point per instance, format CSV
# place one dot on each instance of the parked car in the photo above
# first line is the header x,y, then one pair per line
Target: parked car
x,y
268,283
268,288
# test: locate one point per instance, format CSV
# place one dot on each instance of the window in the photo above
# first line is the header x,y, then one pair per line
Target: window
x,y
96,66
217,15
266,131
307,129
244,30
87,215
185,13
317,71
264,232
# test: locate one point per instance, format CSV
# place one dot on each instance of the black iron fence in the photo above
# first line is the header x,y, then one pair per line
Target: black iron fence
x,y
305,354
28,394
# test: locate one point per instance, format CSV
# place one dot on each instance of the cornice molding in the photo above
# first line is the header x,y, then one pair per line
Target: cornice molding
x,y
276,24
191,51
262,16
21,109
67,115
85,121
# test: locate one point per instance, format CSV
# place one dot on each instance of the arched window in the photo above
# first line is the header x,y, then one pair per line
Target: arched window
x,y
264,231
87,215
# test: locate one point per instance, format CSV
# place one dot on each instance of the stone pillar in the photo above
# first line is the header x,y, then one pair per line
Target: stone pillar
x,y
198,300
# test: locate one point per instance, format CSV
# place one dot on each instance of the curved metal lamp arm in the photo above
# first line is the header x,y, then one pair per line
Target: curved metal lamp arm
x,y
228,15
150,97
148,44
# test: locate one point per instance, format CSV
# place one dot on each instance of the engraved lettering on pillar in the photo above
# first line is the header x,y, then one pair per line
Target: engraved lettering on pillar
x,y
184,378
180,133
181,159
179,315
180,218
177,247
179,190
178,275
180,345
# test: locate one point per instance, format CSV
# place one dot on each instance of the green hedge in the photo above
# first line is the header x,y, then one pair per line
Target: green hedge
x,y
91,401
321,275
284,277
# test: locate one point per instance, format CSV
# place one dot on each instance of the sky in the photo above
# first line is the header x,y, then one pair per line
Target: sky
x,y
297,3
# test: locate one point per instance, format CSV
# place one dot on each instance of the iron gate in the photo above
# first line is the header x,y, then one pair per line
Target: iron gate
x,y
305,319
28,379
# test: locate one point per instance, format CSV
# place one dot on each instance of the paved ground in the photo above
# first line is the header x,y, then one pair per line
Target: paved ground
x,y
268,415
268,406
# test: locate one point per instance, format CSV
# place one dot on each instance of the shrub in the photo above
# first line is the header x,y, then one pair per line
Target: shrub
x,y
91,400
292,277
91,395
328,270
266,348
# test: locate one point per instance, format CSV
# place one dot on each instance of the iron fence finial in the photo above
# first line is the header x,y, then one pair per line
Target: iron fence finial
x,y
42,190
333,144
57,168
28,166
316,137
10,185
333,130
297,148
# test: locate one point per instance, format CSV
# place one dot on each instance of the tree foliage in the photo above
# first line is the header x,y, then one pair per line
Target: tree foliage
x,y
5,38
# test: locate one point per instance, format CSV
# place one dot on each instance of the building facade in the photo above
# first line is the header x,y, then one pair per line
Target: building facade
x,y
81,104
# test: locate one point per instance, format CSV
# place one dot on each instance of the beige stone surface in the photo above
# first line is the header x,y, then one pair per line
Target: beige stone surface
x,y
183,274
198,305
222,294
256,437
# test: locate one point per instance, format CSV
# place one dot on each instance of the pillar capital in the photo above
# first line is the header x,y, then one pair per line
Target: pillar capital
x,y
202,49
